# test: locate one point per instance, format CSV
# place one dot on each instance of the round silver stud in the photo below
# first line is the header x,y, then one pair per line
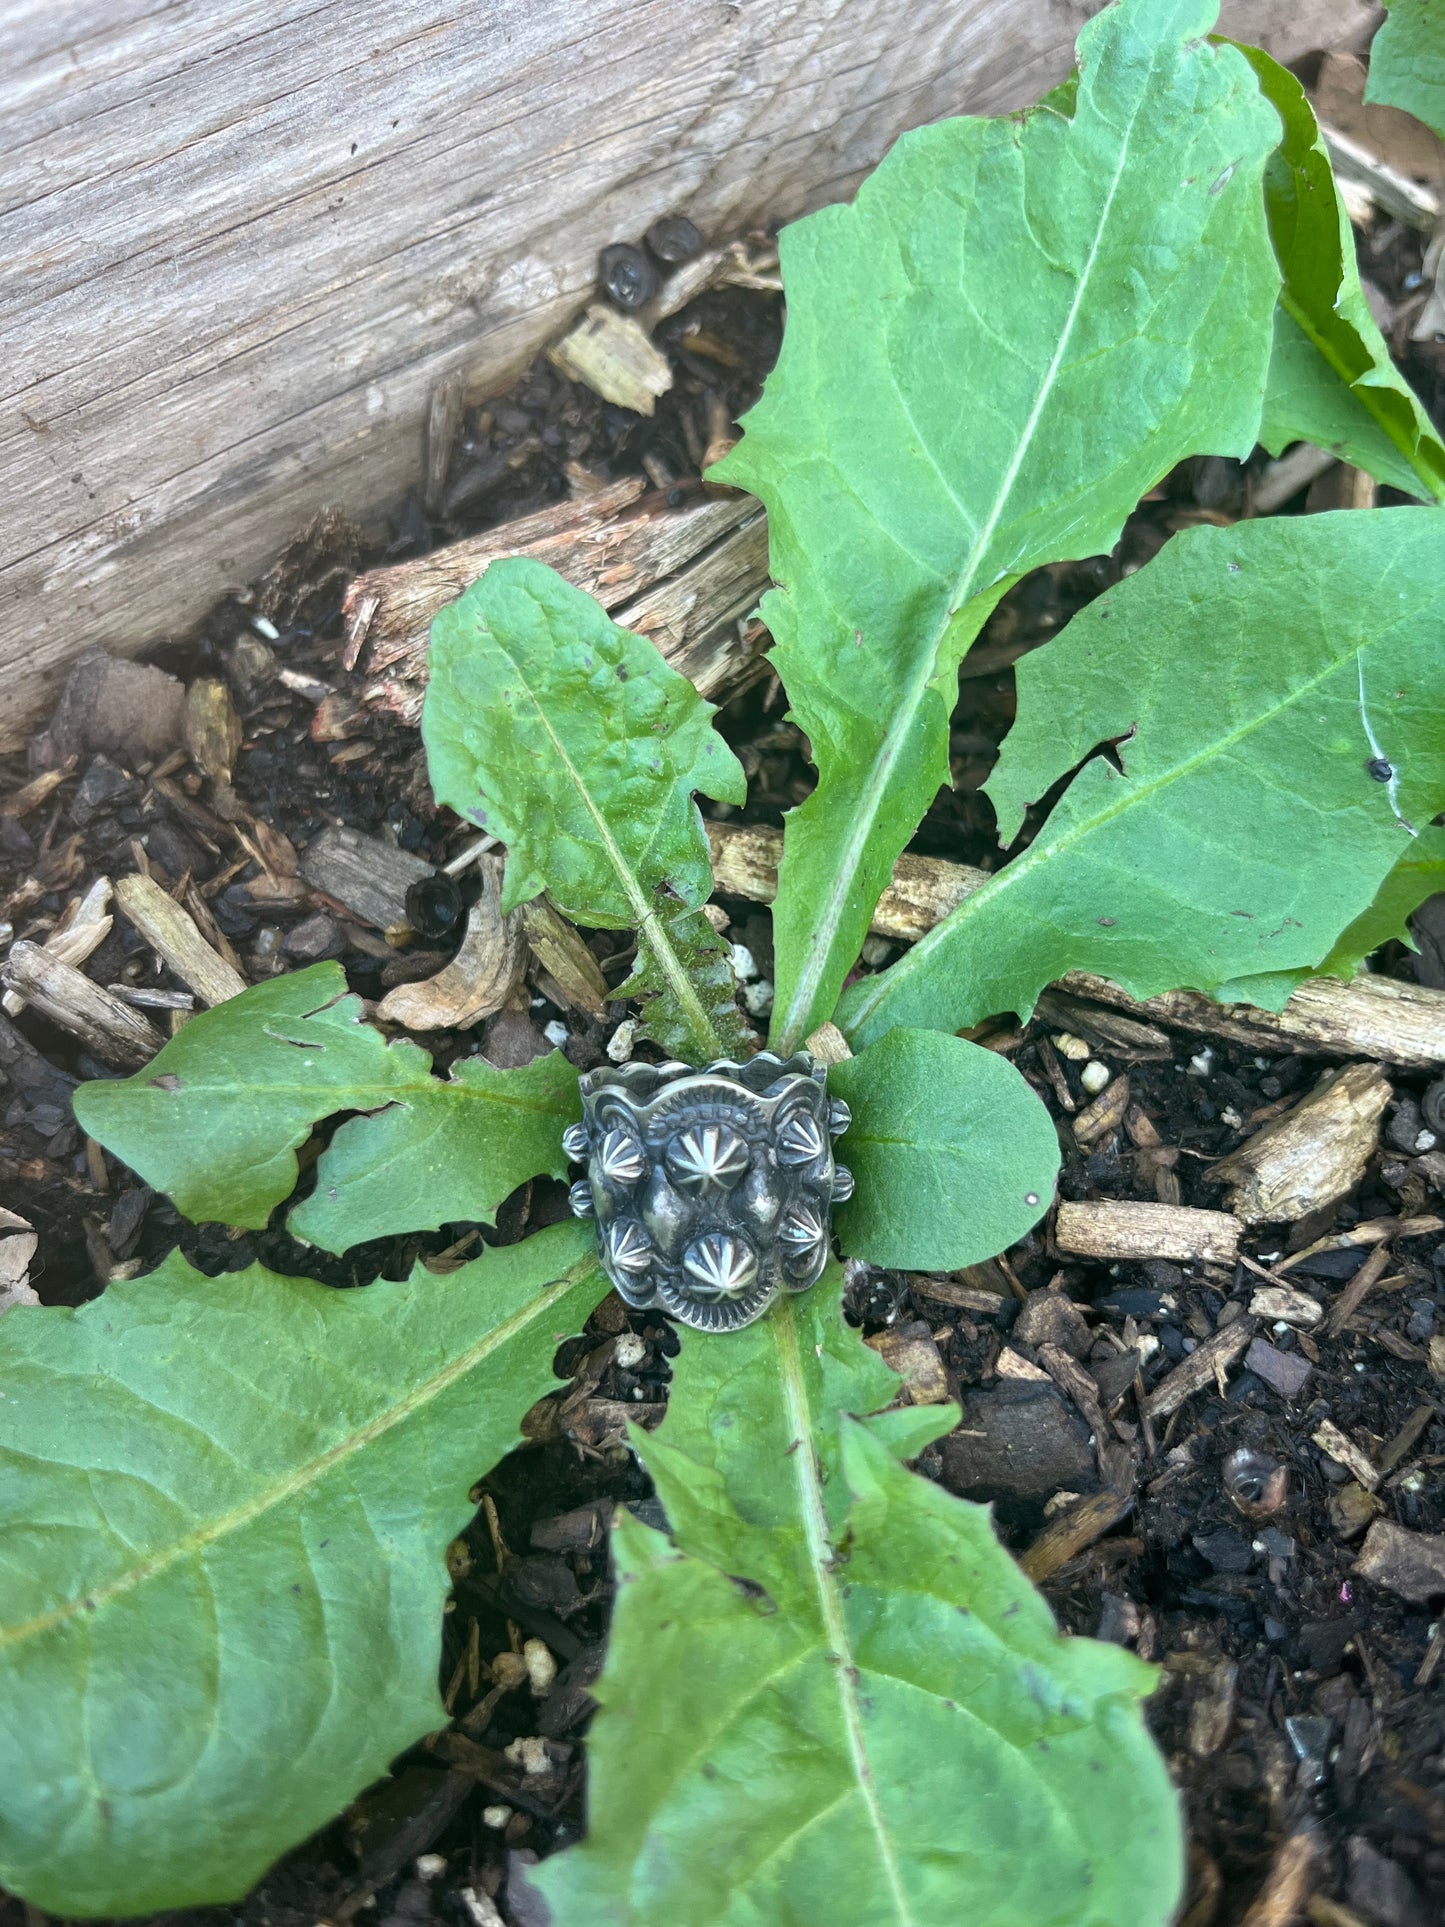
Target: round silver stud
x,y
580,1197
621,1159
720,1265
708,1157
574,1142
802,1226
628,1246
842,1184
799,1139
839,1116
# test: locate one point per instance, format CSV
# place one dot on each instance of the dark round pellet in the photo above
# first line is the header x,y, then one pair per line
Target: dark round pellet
x,y
672,239
626,276
1380,769
434,906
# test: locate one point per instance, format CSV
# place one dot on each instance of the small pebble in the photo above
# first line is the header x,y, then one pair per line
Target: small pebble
x,y
630,1352
758,998
1094,1076
1202,1063
744,963
1231,1117
555,1033
509,1670
876,952
1074,1048
619,1044
529,1753
430,1866
541,1666
496,1817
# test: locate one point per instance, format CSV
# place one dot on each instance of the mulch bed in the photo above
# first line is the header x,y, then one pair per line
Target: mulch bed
x,y
1300,1704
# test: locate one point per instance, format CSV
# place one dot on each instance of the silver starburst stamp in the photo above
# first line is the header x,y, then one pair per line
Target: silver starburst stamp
x,y
711,1189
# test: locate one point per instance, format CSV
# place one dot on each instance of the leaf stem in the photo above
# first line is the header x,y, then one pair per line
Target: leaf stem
x,y
804,1462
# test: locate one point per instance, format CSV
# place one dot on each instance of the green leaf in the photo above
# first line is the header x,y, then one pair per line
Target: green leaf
x,y
574,742
1014,331
216,1117
1250,676
836,1697
1419,875
953,1155
223,1513
1407,61
441,1153
1331,379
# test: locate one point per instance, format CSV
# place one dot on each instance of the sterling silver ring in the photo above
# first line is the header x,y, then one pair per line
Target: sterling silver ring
x,y
711,1189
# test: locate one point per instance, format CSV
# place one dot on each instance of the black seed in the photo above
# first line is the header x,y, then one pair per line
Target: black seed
x,y
626,275
434,906
672,239
1380,769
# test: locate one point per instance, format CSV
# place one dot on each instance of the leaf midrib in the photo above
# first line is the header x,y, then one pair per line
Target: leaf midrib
x,y
804,1464
1133,793
371,1098
799,1010
649,923
301,1478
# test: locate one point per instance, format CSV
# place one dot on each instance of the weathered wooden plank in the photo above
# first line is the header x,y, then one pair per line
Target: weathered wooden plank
x,y
242,240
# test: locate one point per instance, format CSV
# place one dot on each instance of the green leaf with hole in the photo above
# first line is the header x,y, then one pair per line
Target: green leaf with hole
x,y
215,1119
1014,331
575,743
953,1155
1273,690
224,1508
1407,61
1331,379
835,1695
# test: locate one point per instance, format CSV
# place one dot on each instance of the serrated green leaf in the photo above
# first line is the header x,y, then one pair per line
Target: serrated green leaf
x,y
1407,61
1250,676
216,1117
1419,875
223,1513
953,1155
1331,379
1014,331
574,742
829,1636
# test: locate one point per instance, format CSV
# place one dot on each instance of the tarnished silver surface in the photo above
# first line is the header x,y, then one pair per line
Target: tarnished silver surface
x,y
711,1189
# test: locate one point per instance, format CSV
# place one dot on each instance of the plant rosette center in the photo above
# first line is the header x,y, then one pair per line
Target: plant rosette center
x,y
711,1189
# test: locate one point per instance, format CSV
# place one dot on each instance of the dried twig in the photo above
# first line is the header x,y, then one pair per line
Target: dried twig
x,y
176,939
1314,1154
116,1034
1112,1229
1205,1366
685,577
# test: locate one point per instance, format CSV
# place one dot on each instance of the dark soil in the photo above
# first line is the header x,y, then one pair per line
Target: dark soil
x,y
1296,1697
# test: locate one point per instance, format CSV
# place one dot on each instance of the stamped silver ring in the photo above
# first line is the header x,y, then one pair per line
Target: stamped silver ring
x,y
711,1189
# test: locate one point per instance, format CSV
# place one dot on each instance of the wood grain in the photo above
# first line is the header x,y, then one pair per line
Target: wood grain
x,y
242,240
